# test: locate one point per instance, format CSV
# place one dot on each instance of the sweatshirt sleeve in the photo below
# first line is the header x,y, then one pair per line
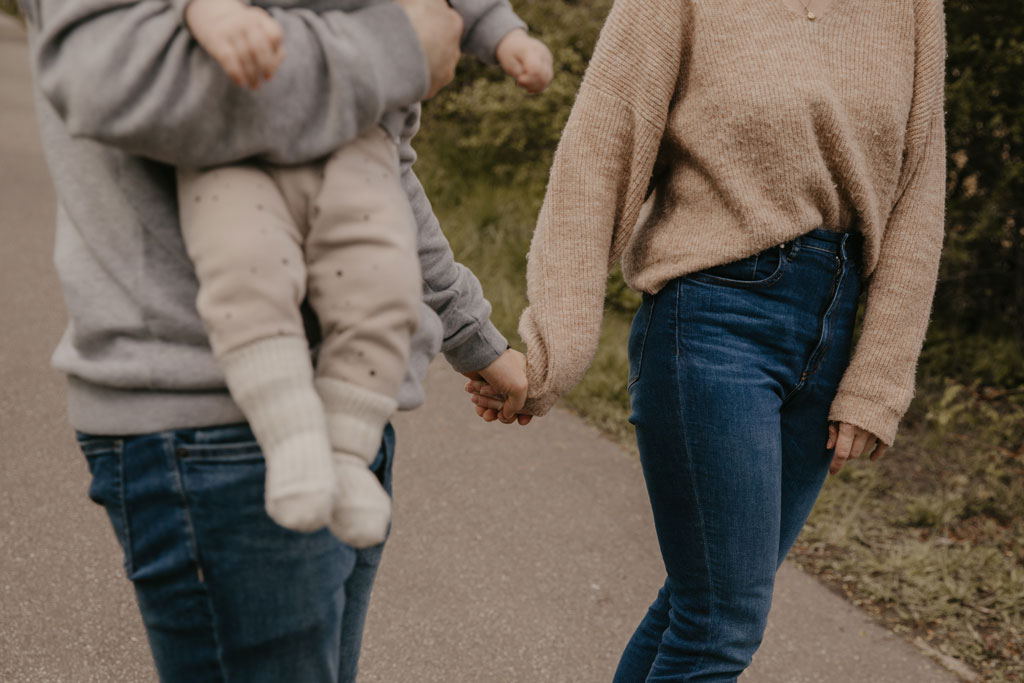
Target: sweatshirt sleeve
x,y
470,340
129,74
598,182
879,384
485,23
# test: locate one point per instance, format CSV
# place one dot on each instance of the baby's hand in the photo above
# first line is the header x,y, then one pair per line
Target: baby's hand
x,y
527,60
244,40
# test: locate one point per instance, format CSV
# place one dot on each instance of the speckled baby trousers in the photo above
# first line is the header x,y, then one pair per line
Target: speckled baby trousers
x,y
262,237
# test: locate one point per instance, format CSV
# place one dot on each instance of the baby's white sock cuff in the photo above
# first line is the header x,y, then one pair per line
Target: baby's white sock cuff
x,y
355,416
272,381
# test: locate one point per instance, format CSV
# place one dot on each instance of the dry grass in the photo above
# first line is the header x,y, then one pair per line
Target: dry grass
x,y
931,539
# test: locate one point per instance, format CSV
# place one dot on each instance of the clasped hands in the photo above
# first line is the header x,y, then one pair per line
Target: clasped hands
x,y
499,390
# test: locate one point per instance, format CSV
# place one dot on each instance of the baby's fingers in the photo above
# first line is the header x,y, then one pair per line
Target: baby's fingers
x,y
514,67
266,42
537,73
232,66
248,61
272,30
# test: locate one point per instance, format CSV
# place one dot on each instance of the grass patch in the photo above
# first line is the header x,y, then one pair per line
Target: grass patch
x,y
930,540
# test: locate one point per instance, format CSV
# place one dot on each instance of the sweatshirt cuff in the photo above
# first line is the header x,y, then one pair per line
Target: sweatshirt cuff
x,y
876,418
479,351
390,44
482,41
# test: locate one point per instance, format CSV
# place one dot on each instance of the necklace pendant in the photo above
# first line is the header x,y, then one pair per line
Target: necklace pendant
x,y
811,15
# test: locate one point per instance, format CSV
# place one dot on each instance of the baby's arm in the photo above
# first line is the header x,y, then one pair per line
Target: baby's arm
x,y
493,33
244,40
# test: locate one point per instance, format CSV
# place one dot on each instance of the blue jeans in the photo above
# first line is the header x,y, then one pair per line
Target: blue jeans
x,y
225,593
732,372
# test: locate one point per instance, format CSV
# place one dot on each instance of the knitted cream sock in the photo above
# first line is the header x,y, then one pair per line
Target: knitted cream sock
x,y
355,422
271,380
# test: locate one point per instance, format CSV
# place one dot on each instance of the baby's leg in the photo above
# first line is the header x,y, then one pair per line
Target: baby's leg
x,y
246,248
365,285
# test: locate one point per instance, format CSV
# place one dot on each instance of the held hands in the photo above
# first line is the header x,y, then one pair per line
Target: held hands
x,y
851,442
244,40
499,390
527,60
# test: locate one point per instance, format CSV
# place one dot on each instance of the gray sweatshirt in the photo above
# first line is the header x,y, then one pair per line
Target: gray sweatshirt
x,y
124,94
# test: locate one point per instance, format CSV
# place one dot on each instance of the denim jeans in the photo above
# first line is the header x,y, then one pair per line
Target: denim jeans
x,y
732,372
225,593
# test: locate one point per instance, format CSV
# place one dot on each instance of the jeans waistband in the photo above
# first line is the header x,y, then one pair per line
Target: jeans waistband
x,y
846,245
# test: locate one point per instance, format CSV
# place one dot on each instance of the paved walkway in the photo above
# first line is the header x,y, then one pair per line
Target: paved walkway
x,y
520,555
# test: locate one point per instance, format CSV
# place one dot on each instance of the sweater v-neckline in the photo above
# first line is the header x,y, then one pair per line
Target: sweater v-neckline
x,y
819,8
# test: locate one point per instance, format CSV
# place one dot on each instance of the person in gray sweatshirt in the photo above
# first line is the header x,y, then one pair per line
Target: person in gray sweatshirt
x,y
264,237
123,97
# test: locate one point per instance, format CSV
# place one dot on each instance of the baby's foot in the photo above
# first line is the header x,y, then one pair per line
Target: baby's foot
x,y
362,508
299,488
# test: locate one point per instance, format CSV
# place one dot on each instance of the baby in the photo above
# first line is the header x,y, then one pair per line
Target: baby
x,y
340,231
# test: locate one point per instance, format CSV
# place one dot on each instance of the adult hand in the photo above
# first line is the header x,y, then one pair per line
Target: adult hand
x,y
439,29
851,442
499,390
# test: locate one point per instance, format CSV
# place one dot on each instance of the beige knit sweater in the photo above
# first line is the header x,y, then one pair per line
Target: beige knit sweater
x,y
751,125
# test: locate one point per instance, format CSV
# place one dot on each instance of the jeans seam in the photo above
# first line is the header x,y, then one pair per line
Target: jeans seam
x,y
826,327
821,348
175,462
643,345
129,553
689,466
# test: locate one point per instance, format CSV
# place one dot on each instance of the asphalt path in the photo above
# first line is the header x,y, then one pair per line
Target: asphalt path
x,y
519,555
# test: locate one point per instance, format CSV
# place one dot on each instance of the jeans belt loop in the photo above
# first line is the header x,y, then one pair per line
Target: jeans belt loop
x,y
794,248
842,247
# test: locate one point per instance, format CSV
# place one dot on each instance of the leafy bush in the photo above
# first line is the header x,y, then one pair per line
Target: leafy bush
x,y
978,331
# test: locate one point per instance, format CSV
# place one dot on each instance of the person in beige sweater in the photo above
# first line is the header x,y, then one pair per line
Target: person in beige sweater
x,y
789,153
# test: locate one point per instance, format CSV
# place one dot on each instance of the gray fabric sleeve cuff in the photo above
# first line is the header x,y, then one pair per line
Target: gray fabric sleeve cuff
x,y
482,40
478,351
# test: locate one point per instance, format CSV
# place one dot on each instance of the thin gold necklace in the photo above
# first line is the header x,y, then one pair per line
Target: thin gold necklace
x,y
811,16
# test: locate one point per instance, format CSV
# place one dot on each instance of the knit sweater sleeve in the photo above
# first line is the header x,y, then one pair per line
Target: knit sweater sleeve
x,y
879,383
598,182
